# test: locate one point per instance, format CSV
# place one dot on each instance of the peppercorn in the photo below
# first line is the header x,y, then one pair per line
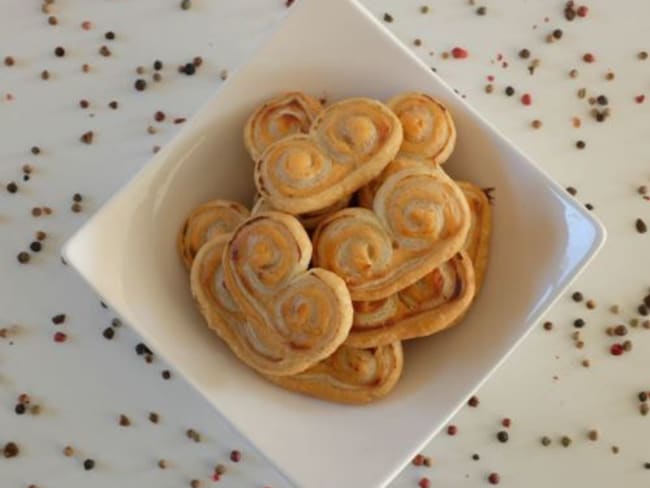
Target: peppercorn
x,y
388,18
557,34
524,53
140,84
640,225
10,450
577,296
494,478
502,436
566,441
108,333
23,257
166,374
578,323
59,52
235,456
19,409
581,144
124,421
473,401
481,10
545,440
110,36
12,187
36,246
510,91
89,464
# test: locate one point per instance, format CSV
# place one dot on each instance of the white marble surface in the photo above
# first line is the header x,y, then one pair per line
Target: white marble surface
x,y
84,384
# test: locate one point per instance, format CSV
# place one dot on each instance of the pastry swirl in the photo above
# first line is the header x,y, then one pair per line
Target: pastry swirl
x,y
294,317
429,130
420,219
309,220
478,237
282,116
205,222
348,145
431,304
349,375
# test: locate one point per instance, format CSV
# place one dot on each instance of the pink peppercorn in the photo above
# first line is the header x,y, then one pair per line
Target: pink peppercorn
x,y
86,25
639,98
526,99
506,422
588,58
60,337
582,11
490,78
418,460
452,430
235,456
459,53
424,483
494,478
616,349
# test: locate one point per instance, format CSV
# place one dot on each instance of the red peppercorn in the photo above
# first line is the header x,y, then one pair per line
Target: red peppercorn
x,y
459,53
490,78
60,337
452,430
494,478
582,11
424,483
526,99
86,25
588,58
506,422
639,98
418,460
235,456
616,349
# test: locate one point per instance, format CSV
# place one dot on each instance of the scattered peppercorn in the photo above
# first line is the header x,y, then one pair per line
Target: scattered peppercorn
x,y
105,51
388,18
424,482
36,246
52,20
124,421
424,9
524,53
578,323
10,450
157,65
20,409
494,478
459,53
12,187
197,61
59,52
481,10
566,441
646,465
473,401
536,124
140,84
573,73
418,460
109,36
602,100
502,436
162,464
615,449
157,77
68,451
545,440
186,4
489,88
87,137
526,99
641,226
593,435
195,483
35,410
590,304
113,104
588,58
154,417
108,333
548,325
452,430
85,68
89,464
23,257
616,349
60,337
9,61
166,374
557,34
620,330
577,296
581,144
510,91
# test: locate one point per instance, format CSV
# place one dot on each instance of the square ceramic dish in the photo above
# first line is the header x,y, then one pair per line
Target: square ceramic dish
x,y
541,240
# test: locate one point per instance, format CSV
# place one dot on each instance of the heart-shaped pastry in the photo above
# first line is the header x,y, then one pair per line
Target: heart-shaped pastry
x,y
348,145
478,237
366,193
205,222
349,375
294,317
309,220
420,219
282,116
429,305
429,130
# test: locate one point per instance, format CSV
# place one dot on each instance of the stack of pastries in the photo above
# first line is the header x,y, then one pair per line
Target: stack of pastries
x,y
358,240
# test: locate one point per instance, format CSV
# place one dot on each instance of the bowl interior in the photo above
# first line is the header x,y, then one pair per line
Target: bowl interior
x,y
541,239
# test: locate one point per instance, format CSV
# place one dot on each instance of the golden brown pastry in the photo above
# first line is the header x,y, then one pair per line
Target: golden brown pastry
x,y
206,221
282,116
419,220
348,145
366,193
429,305
309,220
478,237
350,375
429,131
294,317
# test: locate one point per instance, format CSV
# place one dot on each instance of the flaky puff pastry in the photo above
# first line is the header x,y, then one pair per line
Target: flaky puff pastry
x,y
294,317
349,375
478,237
348,145
208,220
309,220
419,220
431,304
429,130
281,116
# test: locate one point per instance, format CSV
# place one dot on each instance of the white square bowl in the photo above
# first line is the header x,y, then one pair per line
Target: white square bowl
x,y
542,238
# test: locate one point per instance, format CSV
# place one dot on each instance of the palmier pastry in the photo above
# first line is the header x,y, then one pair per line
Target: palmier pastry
x,y
206,221
294,317
478,237
282,116
429,131
348,145
419,220
429,305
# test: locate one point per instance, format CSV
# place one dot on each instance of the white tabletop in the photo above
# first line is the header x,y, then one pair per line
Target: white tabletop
x,y
83,384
